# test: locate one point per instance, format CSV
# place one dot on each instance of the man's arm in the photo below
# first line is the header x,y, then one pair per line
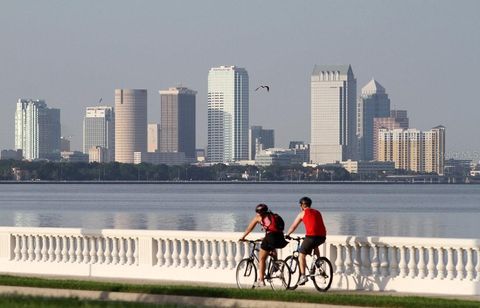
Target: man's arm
x,y
250,227
295,224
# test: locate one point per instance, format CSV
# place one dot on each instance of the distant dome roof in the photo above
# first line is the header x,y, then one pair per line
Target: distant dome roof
x,y
373,87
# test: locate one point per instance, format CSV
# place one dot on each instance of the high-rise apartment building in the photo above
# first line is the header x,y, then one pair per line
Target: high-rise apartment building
x,y
154,134
260,139
412,149
177,121
333,114
373,103
397,119
228,122
130,123
37,130
99,130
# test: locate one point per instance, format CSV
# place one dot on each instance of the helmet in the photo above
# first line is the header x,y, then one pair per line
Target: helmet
x,y
261,208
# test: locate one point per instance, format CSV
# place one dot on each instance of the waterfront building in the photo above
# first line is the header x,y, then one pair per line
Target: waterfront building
x,y
412,149
368,167
64,144
98,154
37,130
200,155
397,119
260,139
333,114
228,122
74,157
161,158
130,123
373,103
280,157
154,133
99,130
177,121
11,154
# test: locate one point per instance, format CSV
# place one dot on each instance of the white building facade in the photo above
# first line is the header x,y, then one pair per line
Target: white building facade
x,y
333,114
99,130
37,130
228,114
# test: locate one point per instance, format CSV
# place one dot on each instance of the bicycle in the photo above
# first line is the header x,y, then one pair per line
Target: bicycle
x,y
277,271
320,270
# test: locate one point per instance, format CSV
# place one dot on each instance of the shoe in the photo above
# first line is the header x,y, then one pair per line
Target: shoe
x,y
303,279
259,285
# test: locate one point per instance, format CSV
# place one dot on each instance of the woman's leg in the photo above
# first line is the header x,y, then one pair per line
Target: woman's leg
x,y
261,262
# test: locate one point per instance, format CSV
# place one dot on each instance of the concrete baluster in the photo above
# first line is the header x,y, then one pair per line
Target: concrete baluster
x,y
441,263
348,259
222,257
394,262
450,264
78,251
365,256
460,264
431,263
121,250
93,251
238,252
16,251
136,251
375,261
383,260
214,255
115,258
37,251
477,267
412,266
191,253
403,262
129,251
71,249
469,267
230,256
51,249
108,252
64,249
207,262
85,251
31,255
159,255
357,262
58,248
339,264
198,254
183,253
23,250
422,266
44,251
246,250
100,250
175,253
167,256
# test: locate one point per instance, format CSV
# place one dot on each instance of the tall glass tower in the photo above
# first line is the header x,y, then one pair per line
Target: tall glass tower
x,y
228,123
99,130
37,130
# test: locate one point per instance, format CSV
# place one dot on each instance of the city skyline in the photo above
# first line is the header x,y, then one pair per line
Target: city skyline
x,y
422,52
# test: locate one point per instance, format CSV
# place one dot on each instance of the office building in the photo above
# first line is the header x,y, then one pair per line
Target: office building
x,y
260,139
413,150
228,122
37,130
99,154
397,119
368,167
154,134
333,114
64,144
130,123
99,130
161,158
11,154
177,121
373,103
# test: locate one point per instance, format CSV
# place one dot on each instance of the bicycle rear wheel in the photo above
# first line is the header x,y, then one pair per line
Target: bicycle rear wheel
x,y
246,274
322,279
294,266
279,275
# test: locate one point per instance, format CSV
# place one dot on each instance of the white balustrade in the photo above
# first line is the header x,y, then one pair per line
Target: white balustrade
x,y
449,266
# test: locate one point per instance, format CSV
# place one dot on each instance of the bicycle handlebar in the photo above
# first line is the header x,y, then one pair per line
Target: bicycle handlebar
x,y
298,238
251,241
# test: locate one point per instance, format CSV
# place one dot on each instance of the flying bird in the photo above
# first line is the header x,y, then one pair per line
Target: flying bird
x,y
266,87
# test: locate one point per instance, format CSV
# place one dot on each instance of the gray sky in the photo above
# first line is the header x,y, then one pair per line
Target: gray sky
x,y
72,53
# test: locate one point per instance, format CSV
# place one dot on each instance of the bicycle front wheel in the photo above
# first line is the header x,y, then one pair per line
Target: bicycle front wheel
x,y
279,275
246,274
294,266
322,279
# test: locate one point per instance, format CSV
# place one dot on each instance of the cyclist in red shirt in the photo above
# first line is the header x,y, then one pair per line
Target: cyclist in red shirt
x,y
273,239
315,234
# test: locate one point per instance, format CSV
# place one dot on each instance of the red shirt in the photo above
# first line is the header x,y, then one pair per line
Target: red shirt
x,y
313,221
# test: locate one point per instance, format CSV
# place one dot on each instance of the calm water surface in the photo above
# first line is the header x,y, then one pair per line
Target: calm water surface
x,y
366,210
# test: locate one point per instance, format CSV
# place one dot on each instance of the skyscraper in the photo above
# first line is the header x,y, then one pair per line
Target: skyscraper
x,y
397,119
260,139
37,130
228,99
130,123
177,121
333,114
373,103
99,130
153,135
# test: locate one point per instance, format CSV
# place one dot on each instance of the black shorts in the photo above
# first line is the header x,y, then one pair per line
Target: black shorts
x,y
273,240
311,242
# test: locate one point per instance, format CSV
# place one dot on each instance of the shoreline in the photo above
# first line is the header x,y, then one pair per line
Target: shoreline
x,y
240,182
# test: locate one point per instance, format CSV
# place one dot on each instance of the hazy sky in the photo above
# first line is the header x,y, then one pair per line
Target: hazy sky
x,y
72,53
